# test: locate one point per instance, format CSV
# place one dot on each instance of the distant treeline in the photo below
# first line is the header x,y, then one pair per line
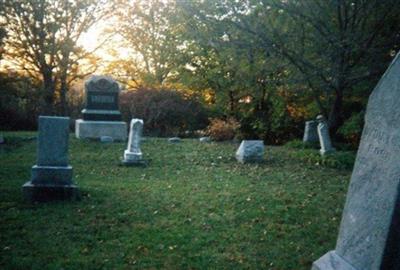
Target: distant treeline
x,y
269,65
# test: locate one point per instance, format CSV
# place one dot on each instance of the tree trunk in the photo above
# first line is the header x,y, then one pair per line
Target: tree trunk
x,y
335,119
231,103
64,63
63,95
48,84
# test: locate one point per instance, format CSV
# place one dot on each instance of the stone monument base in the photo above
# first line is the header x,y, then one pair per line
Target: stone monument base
x,y
133,159
51,175
327,152
96,129
331,261
45,193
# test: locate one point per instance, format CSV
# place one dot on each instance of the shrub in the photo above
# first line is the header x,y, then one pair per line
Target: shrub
x,y
337,160
299,144
164,112
19,103
222,130
352,128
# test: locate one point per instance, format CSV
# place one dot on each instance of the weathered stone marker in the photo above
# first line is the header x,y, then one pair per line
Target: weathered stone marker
x,y
133,154
250,151
324,137
310,132
101,116
51,177
174,140
369,236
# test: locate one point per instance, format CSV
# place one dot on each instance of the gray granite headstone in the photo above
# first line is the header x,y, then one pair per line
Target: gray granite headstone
x,y
250,151
51,177
310,132
369,235
324,137
106,139
174,140
205,139
133,155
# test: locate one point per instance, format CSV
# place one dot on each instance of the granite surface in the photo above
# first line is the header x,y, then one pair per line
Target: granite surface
x,y
324,138
369,236
52,146
310,132
102,99
51,177
96,129
133,154
250,151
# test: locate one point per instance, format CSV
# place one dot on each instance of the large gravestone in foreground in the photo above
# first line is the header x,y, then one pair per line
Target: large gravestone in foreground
x,y
51,177
101,116
369,236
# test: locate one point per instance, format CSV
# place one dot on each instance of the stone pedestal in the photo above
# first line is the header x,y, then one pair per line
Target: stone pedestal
x,y
133,155
250,151
310,132
96,129
101,116
51,177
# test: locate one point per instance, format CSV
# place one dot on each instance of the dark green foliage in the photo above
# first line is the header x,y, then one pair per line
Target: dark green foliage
x,y
352,128
19,103
165,112
309,153
298,144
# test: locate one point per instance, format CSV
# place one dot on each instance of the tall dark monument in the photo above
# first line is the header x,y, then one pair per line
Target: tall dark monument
x,y
101,115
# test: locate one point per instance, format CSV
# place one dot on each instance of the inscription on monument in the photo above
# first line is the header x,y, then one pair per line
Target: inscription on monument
x,y
103,99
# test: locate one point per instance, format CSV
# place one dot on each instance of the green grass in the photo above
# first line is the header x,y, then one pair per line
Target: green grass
x,y
193,207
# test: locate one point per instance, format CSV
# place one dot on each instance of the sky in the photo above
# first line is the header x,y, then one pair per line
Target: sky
x,y
96,36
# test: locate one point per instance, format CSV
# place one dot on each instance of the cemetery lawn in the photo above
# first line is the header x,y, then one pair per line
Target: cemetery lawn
x,y
193,207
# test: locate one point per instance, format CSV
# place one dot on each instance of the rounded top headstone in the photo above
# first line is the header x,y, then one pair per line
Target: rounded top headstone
x,y
101,83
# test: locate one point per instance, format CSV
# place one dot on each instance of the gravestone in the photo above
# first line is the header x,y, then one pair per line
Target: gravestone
x,y
324,137
2,139
205,139
369,235
310,132
174,140
106,139
133,155
250,151
51,177
101,116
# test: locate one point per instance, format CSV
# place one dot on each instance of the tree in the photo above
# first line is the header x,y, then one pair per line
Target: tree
x,y
243,74
334,45
42,40
146,28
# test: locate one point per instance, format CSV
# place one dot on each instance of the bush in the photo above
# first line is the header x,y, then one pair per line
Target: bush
x,y
19,103
222,130
299,144
352,129
164,112
337,160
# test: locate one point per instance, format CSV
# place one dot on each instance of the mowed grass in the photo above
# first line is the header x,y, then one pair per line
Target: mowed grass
x,y
193,207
